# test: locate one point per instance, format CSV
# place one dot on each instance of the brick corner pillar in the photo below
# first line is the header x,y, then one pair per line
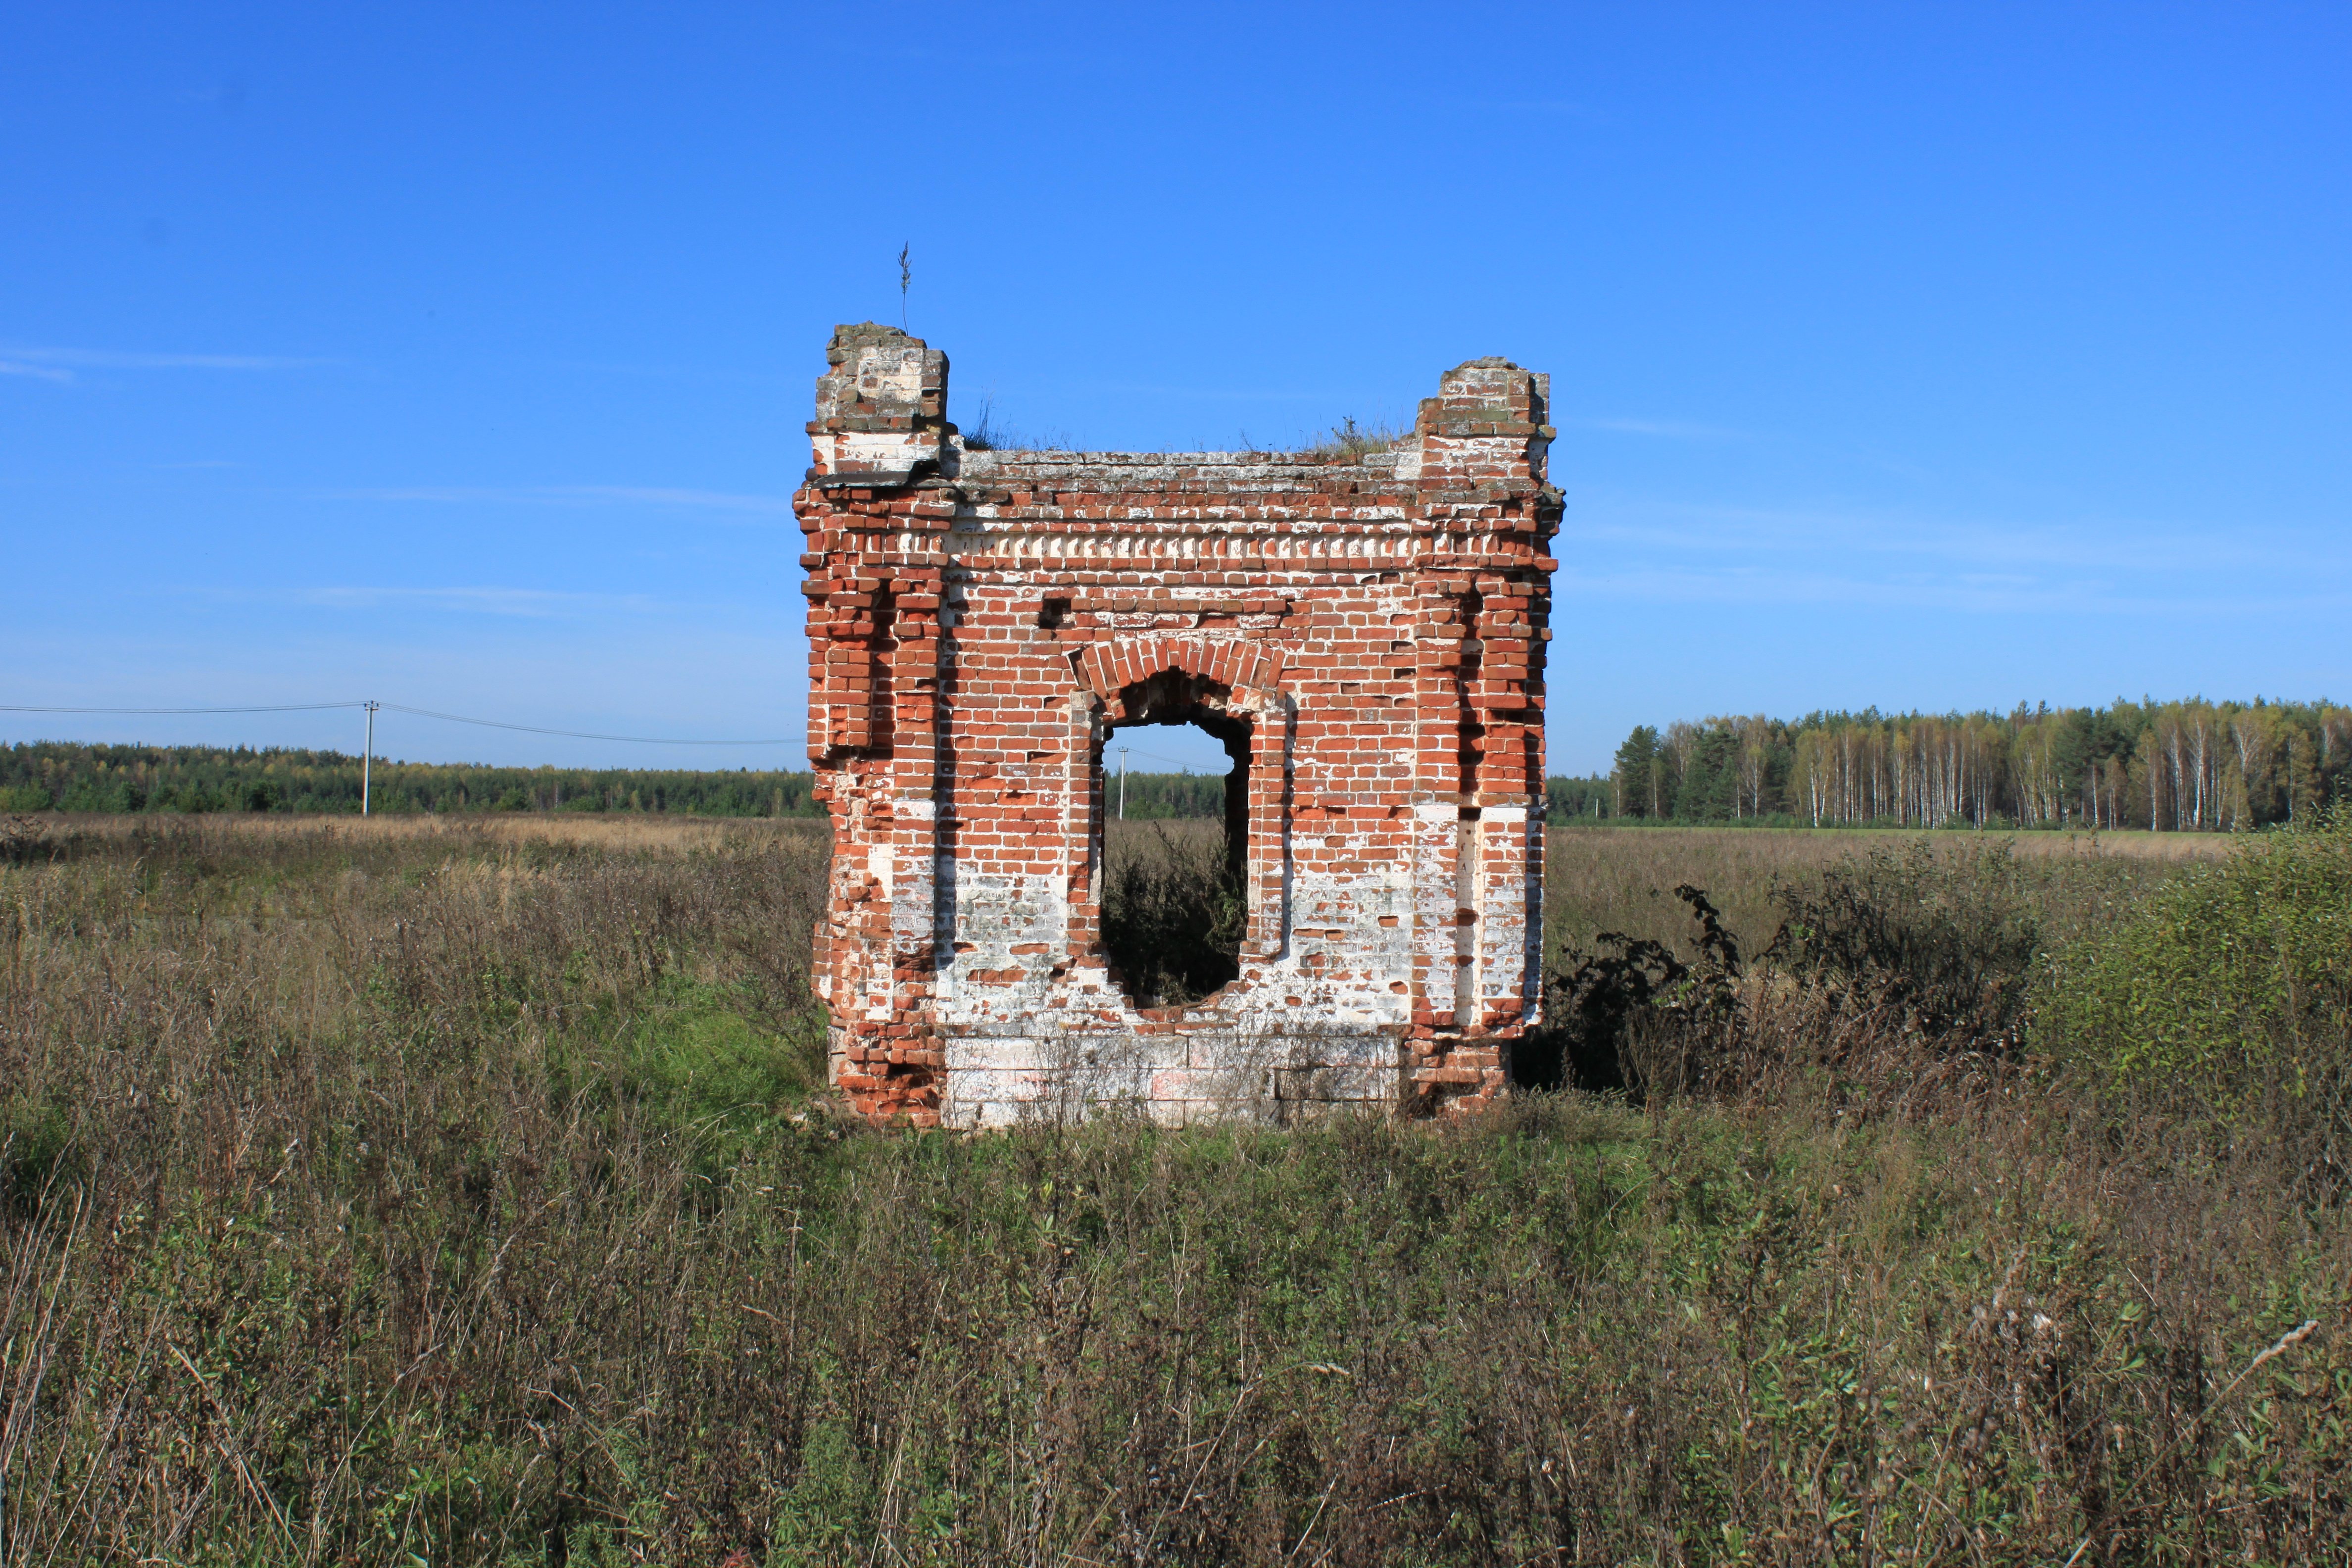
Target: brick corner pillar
x,y
881,406
1483,515
877,656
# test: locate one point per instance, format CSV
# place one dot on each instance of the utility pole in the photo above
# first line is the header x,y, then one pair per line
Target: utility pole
x,y
1122,784
367,754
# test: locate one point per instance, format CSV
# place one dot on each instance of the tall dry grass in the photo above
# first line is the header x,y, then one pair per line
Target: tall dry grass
x,y
1621,878
413,1197
1173,910
69,835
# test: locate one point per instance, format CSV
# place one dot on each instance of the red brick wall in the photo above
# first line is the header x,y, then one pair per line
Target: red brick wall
x,y
977,620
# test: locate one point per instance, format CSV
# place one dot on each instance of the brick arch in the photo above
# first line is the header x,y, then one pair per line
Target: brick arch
x,y
1241,677
1109,667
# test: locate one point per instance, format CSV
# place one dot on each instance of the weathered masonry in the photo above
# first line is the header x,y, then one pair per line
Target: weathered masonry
x,y
1366,633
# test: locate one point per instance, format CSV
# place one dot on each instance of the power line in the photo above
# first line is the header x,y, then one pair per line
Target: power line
x,y
419,712
1176,762
484,724
580,734
273,708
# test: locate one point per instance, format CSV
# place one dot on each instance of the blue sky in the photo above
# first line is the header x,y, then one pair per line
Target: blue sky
x,y
1912,355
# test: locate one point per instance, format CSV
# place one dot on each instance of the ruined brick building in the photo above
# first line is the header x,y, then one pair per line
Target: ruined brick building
x,y
1366,633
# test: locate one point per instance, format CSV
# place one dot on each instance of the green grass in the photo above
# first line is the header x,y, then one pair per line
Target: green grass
x,y
463,1199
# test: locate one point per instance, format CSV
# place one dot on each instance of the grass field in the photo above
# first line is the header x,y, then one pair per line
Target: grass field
x,y
1621,878
413,1192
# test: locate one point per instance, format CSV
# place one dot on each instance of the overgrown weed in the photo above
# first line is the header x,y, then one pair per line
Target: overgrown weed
x,y
427,1198
1173,911
1348,440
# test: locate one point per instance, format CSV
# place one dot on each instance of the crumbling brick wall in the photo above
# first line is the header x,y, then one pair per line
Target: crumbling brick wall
x,y
1367,634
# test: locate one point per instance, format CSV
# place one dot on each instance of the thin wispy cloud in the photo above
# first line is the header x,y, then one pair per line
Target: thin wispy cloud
x,y
537,604
43,371
114,359
1219,393
568,495
1666,430
1798,449
1618,547
1781,587
2125,546
724,373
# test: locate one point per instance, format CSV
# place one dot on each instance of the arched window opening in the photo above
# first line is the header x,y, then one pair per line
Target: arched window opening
x,y
1175,864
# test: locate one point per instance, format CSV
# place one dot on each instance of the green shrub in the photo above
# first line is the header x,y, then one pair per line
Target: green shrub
x,y
2226,977
1946,945
1628,1014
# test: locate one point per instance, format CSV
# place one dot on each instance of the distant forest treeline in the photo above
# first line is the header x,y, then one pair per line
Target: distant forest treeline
x,y
2176,766
1154,797
2184,766
50,775
57,775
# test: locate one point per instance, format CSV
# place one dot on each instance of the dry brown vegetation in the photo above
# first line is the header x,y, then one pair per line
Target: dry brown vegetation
x,y
1621,878
460,1193
77,836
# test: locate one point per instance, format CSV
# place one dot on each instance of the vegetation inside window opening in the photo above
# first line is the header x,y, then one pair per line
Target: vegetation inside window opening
x,y
1173,895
